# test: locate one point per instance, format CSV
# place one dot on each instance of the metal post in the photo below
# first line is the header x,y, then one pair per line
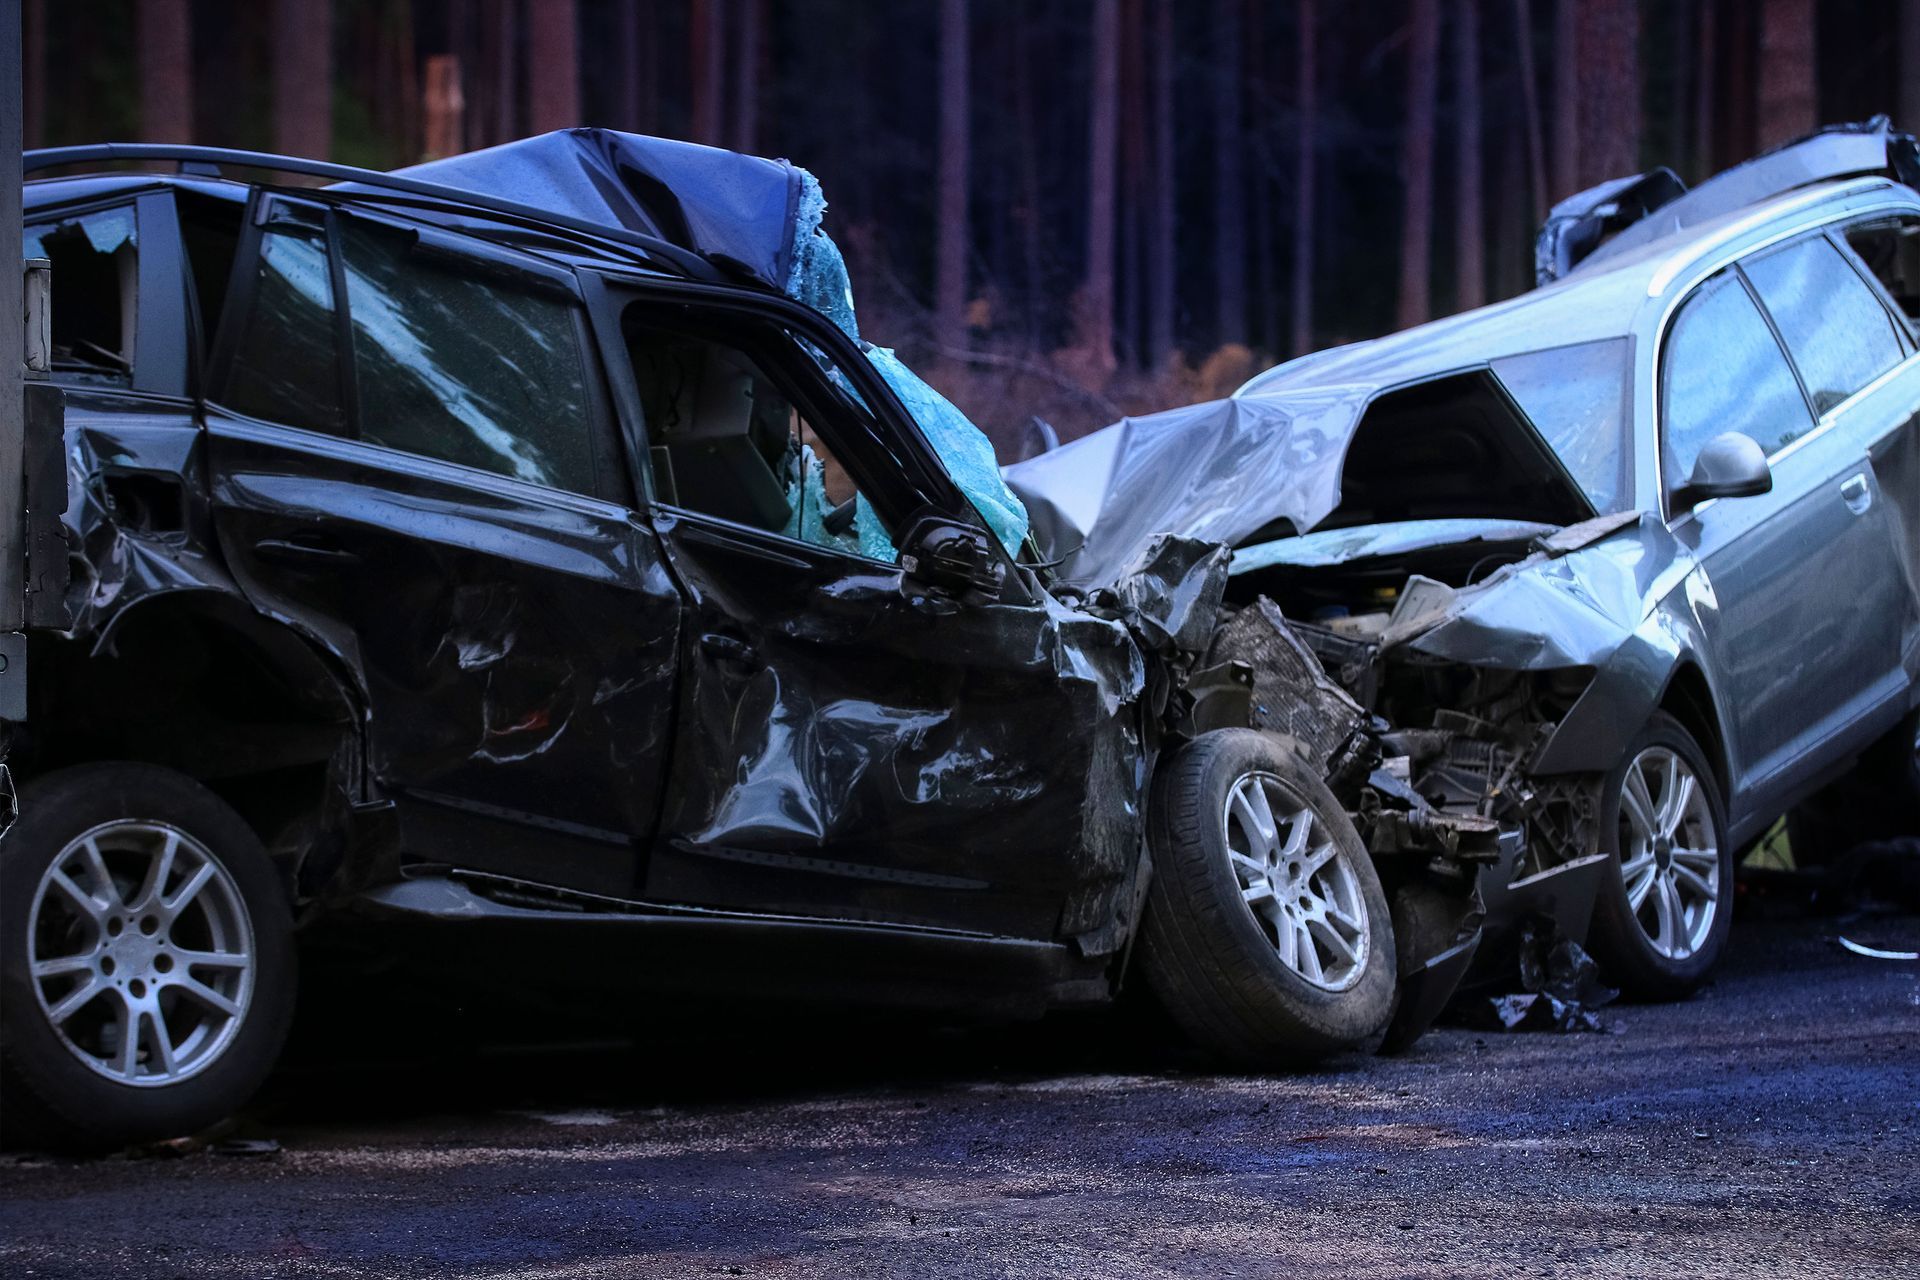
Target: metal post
x,y
12,333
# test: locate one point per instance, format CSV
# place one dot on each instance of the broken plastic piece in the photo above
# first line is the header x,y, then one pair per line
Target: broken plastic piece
x,y
1877,953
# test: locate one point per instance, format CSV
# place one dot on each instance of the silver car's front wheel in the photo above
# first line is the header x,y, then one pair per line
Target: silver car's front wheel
x,y
1660,924
1669,853
1302,891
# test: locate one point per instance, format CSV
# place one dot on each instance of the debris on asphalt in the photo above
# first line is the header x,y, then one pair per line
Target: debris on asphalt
x,y
1562,988
1876,953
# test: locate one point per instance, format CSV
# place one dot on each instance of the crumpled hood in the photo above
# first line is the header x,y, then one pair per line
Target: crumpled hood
x,y
1215,472
723,205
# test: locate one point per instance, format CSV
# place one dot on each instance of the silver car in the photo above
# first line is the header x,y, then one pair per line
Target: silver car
x,y
1628,562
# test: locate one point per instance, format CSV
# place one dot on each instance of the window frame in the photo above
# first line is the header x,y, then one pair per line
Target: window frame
x,y
894,467
1895,320
611,481
1670,485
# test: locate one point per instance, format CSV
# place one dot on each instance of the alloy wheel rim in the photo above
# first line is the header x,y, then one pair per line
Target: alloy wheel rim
x,y
1299,887
1669,854
141,953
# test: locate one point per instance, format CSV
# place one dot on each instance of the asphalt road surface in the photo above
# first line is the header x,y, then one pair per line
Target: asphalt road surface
x,y
1770,1127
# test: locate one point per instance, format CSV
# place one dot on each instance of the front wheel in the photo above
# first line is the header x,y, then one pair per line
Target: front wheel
x,y
1664,912
1267,936
147,962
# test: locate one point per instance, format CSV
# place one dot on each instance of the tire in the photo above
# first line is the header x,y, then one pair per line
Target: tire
x,y
1214,959
208,976
1650,952
1878,800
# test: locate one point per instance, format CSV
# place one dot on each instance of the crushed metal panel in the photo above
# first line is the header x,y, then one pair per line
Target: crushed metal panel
x,y
1292,694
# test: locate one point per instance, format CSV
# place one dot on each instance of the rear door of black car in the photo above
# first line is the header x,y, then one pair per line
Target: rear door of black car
x,y
412,460
848,744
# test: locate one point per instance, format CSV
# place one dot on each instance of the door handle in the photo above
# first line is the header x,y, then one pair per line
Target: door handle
x,y
725,648
305,554
1857,493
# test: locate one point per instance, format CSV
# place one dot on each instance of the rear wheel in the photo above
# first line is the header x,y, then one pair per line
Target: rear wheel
x,y
1664,914
148,963
1267,936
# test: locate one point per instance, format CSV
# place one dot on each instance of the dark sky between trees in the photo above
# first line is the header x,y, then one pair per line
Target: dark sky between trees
x,y
1070,207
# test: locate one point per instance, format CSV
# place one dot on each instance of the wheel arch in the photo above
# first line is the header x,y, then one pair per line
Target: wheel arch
x,y
200,682
1688,698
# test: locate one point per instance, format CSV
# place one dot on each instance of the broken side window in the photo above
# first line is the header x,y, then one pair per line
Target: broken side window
x,y
95,284
1576,397
286,357
467,368
1890,248
1839,335
1723,371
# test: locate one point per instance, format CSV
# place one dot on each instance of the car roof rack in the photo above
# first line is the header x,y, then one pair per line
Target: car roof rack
x,y
1625,213
207,161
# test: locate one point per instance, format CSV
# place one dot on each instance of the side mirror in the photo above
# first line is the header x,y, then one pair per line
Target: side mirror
x,y
951,559
1731,465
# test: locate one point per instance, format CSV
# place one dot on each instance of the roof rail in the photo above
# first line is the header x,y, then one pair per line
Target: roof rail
x,y
1615,217
191,158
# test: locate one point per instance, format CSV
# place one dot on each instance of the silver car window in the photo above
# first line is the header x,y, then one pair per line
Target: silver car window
x,y
1840,337
1723,371
1576,399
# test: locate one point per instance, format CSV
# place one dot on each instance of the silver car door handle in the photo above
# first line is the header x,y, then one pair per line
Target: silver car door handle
x,y
1857,494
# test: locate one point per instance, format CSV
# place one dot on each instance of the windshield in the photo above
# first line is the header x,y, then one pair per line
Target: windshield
x,y
1577,399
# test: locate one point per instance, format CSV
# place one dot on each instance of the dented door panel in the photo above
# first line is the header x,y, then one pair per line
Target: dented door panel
x,y
850,748
517,645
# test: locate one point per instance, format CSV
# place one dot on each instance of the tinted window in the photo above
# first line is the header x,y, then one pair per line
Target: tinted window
x,y
469,369
210,230
1838,333
95,275
1576,397
284,361
1723,371
1891,249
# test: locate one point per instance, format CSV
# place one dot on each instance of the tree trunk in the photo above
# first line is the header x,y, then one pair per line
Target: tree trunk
x,y
303,78
709,50
1787,105
1096,291
1470,223
1027,129
1530,109
1133,181
1704,87
1566,100
506,83
1229,184
163,30
1906,64
951,227
748,73
1162,251
553,65
1609,45
1416,167
445,106
1306,84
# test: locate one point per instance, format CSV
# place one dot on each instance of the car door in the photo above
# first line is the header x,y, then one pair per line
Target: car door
x,y
412,460
849,743
1798,614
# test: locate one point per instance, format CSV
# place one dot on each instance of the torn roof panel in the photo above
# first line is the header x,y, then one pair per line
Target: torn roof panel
x,y
726,206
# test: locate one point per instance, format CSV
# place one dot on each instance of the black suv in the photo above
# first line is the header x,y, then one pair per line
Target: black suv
x,y
437,561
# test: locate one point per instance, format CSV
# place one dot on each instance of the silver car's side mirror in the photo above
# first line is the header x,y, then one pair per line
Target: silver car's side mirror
x,y
1731,465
